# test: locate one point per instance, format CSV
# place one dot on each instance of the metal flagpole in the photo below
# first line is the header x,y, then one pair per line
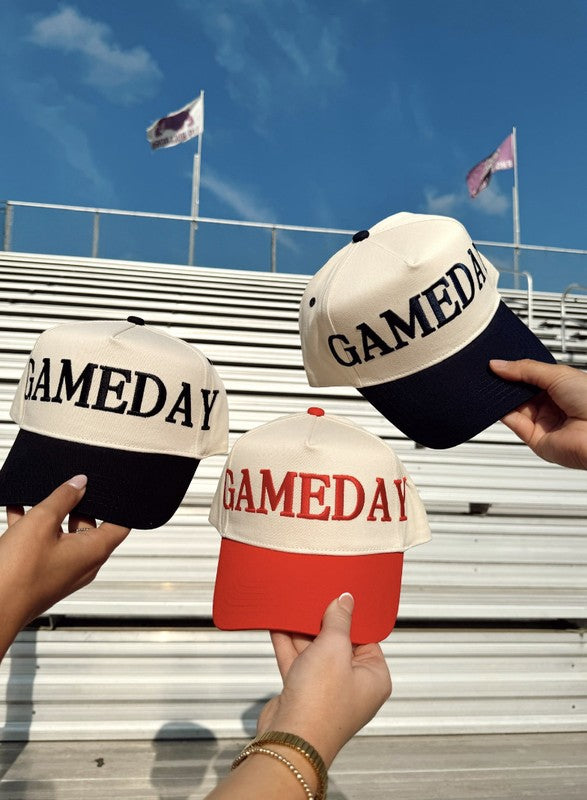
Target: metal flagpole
x,y
516,212
195,208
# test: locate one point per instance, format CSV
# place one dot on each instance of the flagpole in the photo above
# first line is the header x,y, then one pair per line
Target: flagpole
x,y
516,212
195,207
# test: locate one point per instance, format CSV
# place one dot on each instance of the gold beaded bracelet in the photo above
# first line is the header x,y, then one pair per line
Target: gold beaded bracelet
x,y
301,746
252,749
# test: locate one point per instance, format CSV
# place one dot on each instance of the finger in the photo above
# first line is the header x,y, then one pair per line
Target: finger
x,y
61,501
300,641
535,372
338,616
76,521
13,514
113,535
368,652
285,651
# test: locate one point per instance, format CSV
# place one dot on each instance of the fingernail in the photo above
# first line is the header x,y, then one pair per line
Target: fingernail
x,y
78,481
499,363
347,601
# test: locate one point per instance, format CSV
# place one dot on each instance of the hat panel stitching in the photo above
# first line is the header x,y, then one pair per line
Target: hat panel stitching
x,y
333,279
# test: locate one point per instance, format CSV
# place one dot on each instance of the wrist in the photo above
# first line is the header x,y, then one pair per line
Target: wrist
x,y
325,739
9,630
294,752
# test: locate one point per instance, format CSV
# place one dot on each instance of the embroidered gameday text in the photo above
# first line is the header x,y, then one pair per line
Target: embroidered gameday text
x,y
118,391
345,494
445,299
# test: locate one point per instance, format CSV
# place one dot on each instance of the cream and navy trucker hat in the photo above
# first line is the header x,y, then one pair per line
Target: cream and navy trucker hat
x,y
131,407
409,313
310,506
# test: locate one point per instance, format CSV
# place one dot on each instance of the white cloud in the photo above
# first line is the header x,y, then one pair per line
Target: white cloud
x,y
271,51
57,119
441,203
492,201
123,76
241,202
244,204
419,111
74,146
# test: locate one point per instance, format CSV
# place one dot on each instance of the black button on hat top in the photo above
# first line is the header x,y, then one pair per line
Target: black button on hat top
x,y
360,235
135,320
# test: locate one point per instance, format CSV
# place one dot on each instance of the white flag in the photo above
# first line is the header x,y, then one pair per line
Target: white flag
x,y
179,126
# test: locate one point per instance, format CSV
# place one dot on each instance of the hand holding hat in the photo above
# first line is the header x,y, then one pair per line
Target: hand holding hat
x,y
317,674
130,406
310,506
409,314
40,564
553,423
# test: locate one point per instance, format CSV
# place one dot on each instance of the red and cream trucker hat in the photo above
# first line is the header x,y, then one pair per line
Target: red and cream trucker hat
x,y
409,313
131,407
310,506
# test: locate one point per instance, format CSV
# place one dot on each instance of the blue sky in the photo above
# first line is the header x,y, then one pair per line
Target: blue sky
x,y
331,113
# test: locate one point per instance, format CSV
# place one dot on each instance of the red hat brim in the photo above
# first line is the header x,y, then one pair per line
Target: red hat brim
x,y
261,589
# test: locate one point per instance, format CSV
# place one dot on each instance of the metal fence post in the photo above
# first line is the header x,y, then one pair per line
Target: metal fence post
x,y
7,226
530,298
568,290
96,234
273,250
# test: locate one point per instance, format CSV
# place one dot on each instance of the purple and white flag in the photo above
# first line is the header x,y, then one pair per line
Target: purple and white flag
x,y
179,126
503,158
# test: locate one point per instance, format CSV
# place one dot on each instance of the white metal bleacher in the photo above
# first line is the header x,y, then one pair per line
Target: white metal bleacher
x,y
492,611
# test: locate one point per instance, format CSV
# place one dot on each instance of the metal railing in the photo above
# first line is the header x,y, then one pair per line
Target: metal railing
x,y
274,228
529,291
10,205
574,287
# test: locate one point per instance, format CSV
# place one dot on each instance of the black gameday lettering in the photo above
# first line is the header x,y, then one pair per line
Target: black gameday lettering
x,y
428,311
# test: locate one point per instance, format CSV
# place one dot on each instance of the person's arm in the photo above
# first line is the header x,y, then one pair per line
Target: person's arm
x,y
554,422
39,564
331,690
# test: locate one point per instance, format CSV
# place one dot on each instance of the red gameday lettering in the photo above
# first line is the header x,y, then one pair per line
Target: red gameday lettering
x,y
339,483
379,501
308,494
245,493
230,504
400,485
285,490
347,504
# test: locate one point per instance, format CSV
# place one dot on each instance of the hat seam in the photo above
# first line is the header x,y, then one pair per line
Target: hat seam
x,y
175,341
342,551
327,418
328,289
110,445
389,251
129,326
424,219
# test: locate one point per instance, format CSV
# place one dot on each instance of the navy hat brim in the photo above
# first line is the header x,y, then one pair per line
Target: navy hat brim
x,y
132,489
450,402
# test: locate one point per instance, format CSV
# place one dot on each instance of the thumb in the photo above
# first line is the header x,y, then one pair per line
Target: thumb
x,y
61,501
338,616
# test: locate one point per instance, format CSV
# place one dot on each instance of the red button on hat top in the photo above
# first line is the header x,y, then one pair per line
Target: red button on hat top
x,y
317,412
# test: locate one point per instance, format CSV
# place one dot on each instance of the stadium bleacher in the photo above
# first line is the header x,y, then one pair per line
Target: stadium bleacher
x,y
493,610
